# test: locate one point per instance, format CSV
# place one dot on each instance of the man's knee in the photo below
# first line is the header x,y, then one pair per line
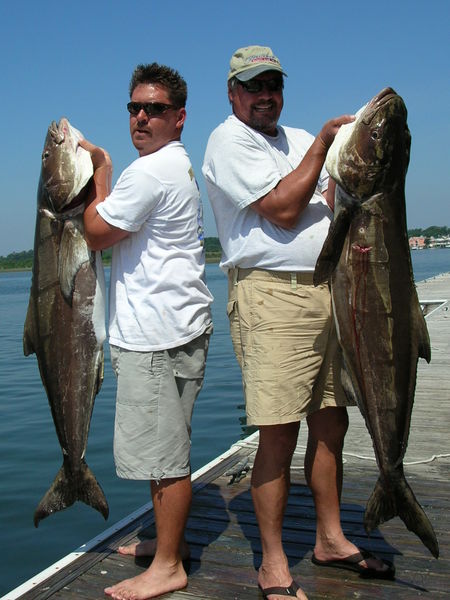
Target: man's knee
x,y
328,425
279,440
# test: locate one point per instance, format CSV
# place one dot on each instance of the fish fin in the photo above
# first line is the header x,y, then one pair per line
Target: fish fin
x,y
400,500
424,346
28,331
60,495
332,248
73,253
66,489
348,386
91,493
100,371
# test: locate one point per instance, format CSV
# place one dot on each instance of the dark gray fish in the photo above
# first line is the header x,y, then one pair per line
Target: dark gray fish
x,y
380,325
65,323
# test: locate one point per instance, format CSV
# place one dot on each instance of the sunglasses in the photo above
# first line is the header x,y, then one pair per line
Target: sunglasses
x,y
151,109
254,86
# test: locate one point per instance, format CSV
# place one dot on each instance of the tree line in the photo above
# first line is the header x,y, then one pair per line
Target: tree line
x,y
430,232
24,260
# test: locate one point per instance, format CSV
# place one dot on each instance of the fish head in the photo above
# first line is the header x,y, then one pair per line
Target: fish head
x,y
372,152
66,167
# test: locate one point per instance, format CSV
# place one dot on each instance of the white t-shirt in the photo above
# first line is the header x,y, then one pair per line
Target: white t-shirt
x,y
241,165
158,296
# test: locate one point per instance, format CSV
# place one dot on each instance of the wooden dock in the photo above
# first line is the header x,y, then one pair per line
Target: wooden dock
x,y
222,530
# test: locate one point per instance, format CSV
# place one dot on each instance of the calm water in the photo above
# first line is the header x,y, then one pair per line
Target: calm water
x,y
30,455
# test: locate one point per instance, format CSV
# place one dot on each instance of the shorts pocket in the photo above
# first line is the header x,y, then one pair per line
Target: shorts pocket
x,y
189,360
232,313
230,308
139,378
115,357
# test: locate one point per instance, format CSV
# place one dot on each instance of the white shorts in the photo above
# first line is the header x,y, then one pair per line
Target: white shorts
x,y
155,399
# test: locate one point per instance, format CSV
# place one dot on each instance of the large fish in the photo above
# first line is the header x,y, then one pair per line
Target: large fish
x,y
65,323
380,325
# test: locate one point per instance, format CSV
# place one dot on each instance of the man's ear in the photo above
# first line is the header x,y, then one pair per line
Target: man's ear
x,y
181,118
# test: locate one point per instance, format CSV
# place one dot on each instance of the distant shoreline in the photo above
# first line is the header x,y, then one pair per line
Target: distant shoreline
x,y
15,270
209,259
23,261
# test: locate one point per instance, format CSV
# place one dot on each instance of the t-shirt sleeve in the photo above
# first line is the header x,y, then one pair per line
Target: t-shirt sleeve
x,y
133,198
240,167
323,180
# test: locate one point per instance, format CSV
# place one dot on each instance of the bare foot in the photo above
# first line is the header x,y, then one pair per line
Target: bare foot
x,y
148,548
155,581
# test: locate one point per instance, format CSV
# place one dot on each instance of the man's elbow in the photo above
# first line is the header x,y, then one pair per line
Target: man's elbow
x,y
94,232
289,221
93,243
101,238
286,219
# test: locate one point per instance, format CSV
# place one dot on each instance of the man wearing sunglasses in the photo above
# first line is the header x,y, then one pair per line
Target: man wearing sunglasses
x,y
272,202
160,319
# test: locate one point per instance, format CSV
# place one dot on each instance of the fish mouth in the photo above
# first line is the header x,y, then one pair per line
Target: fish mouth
x,y
59,131
56,132
385,96
66,168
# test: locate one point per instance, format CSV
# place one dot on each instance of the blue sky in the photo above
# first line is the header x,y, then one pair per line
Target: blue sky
x,y
75,59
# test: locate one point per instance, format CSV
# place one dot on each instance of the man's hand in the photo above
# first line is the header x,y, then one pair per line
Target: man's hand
x,y
103,168
98,233
330,129
99,156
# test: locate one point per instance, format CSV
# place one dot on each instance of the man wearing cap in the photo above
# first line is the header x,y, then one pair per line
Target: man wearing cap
x,y
273,202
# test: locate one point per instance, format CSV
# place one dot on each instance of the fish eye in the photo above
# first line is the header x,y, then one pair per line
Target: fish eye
x,y
374,135
45,154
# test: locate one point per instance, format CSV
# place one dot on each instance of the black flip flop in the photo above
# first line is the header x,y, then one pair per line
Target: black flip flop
x,y
352,563
290,591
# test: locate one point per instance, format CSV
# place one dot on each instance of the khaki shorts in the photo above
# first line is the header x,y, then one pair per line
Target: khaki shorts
x,y
155,399
285,342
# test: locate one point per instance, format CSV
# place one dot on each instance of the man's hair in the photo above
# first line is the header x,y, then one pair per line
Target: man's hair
x,y
232,83
165,76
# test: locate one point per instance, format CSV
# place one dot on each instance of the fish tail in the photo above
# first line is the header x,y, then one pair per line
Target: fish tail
x,y
66,489
91,493
385,504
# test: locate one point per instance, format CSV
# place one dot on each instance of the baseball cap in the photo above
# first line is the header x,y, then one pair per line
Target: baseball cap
x,y
250,61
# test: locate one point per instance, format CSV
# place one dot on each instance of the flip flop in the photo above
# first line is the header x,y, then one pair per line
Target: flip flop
x,y
351,563
290,591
